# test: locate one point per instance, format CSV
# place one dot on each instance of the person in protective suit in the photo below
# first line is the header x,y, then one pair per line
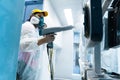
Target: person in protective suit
x,y
33,48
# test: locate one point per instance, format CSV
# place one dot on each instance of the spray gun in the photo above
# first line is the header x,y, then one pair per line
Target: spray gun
x,y
51,30
54,30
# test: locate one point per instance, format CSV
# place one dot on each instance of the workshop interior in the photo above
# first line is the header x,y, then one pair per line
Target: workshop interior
x,y
87,38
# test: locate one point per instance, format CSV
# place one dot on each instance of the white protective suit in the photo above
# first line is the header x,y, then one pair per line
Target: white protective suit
x,y
33,61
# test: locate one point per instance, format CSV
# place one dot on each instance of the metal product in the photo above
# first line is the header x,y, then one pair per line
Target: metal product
x,y
93,22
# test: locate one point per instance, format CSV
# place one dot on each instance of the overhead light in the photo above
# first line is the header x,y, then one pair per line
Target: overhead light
x,y
68,15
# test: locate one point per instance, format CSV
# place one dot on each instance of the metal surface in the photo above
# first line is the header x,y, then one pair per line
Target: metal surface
x,y
50,57
105,5
97,59
93,22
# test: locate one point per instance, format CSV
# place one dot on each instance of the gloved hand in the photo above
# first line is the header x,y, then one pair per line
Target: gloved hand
x,y
49,38
46,39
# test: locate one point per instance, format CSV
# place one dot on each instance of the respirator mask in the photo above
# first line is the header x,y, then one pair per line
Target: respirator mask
x,y
41,25
39,21
34,20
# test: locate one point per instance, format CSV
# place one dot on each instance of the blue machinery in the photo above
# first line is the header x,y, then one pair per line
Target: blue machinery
x,y
11,17
11,13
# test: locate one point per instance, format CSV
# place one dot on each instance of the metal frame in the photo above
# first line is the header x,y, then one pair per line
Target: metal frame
x,y
95,72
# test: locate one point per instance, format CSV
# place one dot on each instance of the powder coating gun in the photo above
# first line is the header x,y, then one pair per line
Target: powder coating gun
x,y
51,30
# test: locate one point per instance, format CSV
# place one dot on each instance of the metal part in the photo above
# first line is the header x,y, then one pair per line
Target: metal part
x,y
50,57
105,5
93,22
97,59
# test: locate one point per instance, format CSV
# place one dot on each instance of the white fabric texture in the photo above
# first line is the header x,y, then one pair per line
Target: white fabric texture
x,y
33,61
34,20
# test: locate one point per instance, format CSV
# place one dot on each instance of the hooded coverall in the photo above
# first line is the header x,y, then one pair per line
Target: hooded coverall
x,y
33,61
